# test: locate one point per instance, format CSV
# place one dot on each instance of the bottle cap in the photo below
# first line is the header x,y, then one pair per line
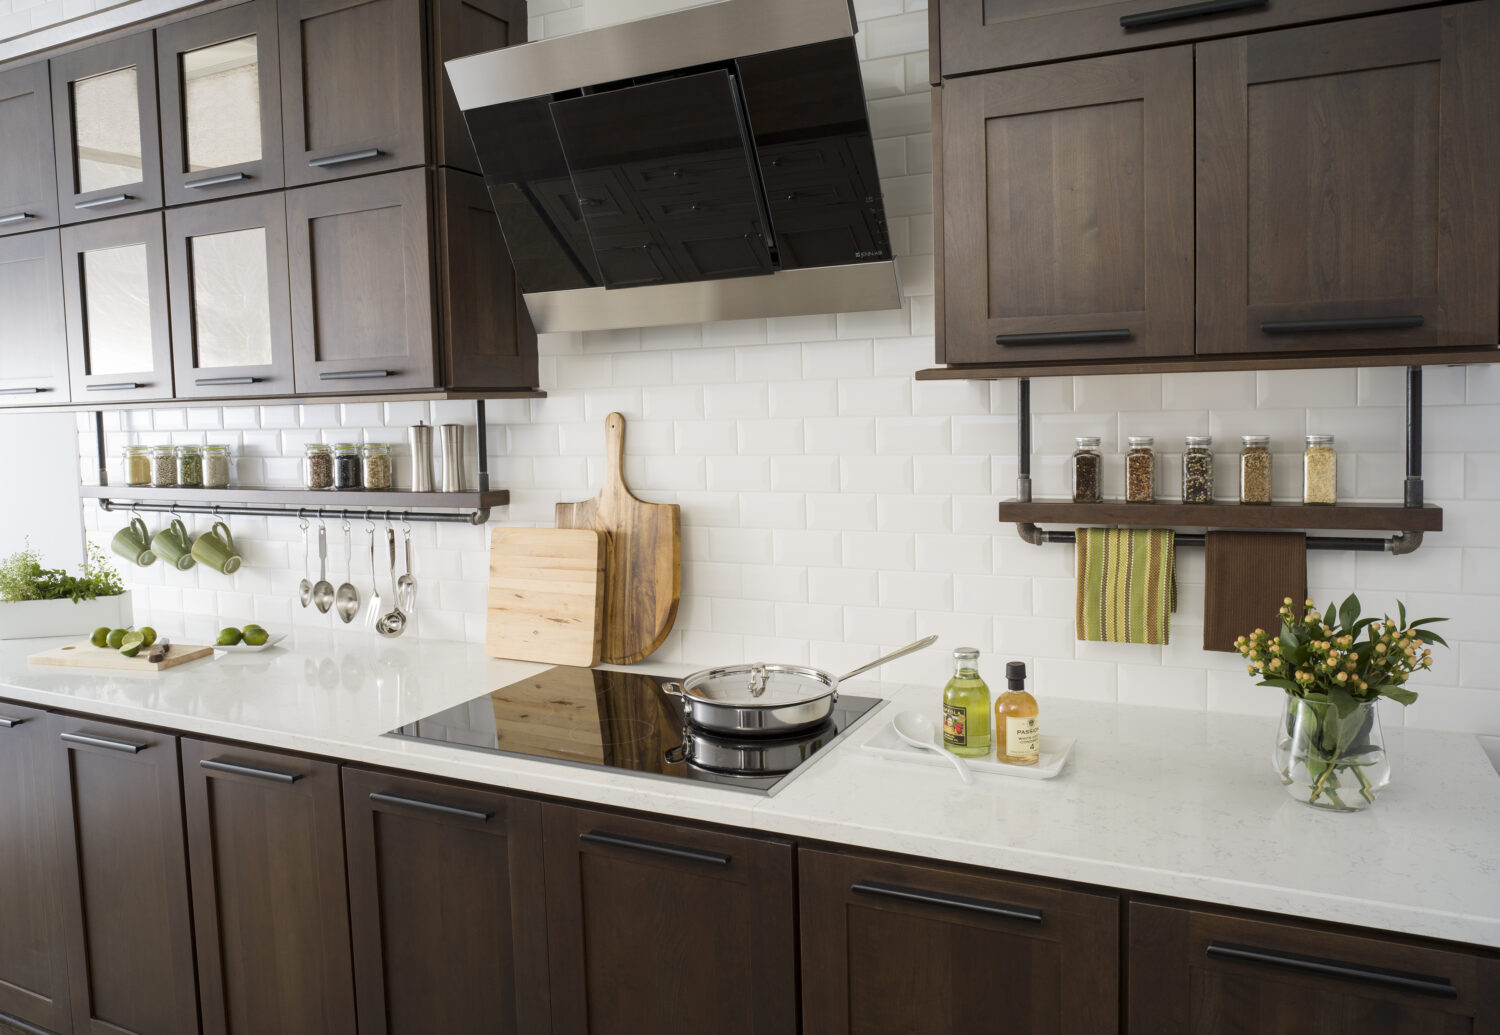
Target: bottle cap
x,y
1200,440
1141,440
1087,441
1015,675
1256,440
1320,440
966,654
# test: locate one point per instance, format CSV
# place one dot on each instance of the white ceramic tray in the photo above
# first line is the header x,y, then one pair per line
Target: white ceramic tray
x,y
245,648
1054,752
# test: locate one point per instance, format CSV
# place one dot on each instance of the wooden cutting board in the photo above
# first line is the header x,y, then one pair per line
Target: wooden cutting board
x,y
546,595
86,655
642,557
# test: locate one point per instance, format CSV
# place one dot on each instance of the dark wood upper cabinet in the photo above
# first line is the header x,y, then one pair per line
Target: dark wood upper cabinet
x,y
657,927
33,963
1199,971
105,129
28,173
445,897
270,909
1346,185
1067,222
124,879
115,294
892,946
231,307
461,28
220,78
33,339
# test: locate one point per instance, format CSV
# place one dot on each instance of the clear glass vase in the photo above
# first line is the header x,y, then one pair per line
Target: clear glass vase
x,y
1328,760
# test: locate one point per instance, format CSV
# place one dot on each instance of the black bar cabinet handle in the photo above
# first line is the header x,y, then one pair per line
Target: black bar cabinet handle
x,y
1053,337
22,1026
347,156
214,181
599,837
7,723
351,375
218,765
15,217
1440,987
1366,323
934,898
23,391
104,742
113,199
401,801
120,386
206,382
1177,14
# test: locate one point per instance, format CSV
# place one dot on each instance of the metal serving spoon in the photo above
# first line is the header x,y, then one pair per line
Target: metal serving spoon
x,y
918,731
406,585
347,597
323,591
394,623
305,587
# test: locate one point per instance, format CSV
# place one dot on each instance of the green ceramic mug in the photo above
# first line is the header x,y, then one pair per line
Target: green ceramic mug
x,y
215,548
174,545
134,544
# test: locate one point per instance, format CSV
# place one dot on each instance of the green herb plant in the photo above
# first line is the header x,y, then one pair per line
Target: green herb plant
x,y
22,577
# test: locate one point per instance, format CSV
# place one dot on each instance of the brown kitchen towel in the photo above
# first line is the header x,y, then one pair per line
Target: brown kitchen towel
x,y
1249,575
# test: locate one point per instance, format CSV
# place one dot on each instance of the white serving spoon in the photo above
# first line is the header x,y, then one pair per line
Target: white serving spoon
x,y
918,731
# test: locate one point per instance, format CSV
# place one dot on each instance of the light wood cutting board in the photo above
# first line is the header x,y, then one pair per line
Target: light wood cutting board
x,y
643,557
546,595
86,655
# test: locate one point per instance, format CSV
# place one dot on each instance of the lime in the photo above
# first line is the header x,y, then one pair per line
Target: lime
x,y
100,637
255,636
114,637
131,645
251,625
228,637
149,633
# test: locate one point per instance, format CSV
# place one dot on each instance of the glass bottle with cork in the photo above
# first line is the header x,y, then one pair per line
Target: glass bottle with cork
x,y
966,707
1017,728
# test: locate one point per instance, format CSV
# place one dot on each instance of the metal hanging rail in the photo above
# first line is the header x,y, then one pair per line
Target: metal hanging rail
x,y
474,517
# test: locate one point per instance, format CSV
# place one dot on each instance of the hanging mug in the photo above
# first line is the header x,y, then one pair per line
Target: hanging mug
x,y
215,548
134,544
174,545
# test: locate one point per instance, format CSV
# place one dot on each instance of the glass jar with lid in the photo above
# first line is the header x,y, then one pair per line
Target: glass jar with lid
x,y
215,467
190,467
1320,471
164,467
1086,470
377,465
1140,470
1198,470
137,465
317,466
346,465
1255,468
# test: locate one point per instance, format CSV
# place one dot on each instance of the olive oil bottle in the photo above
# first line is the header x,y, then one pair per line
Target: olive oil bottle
x,y
1017,730
966,707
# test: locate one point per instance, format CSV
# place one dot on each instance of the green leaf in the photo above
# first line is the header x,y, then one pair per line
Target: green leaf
x,y
1361,625
1432,637
1349,612
1284,684
1401,609
1342,701
1399,694
1427,621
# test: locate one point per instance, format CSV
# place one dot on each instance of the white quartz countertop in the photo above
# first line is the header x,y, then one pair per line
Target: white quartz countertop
x,y
1153,800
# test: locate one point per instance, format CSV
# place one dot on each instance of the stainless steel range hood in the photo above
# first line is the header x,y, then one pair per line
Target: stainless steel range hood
x,y
713,163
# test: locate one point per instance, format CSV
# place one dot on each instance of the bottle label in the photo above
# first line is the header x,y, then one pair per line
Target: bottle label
x,y
955,725
1021,736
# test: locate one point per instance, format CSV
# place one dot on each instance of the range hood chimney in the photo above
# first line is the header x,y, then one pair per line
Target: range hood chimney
x,y
713,163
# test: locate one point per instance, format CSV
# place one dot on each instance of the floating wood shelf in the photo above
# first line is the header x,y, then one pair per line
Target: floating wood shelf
x,y
1198,364
1383,517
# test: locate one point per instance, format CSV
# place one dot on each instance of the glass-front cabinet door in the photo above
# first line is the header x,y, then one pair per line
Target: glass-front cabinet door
x,y
33,345
231,318
105,123
220,104
115,290
28,181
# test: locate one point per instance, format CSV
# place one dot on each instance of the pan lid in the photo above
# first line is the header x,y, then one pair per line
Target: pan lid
x,y
758,685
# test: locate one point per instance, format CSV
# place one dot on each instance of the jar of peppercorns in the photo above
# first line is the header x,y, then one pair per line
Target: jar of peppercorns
x,y
317,466
1085,466
1255,469
1198,470
346,466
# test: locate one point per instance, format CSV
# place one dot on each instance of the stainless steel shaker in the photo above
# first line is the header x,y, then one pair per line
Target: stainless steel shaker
x,y
453,457
419,436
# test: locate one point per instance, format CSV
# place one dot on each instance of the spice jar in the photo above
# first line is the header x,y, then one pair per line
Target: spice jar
x,y
163,467
1255,469
216,467
1320,471
377,466
1086,470
346,465
190,467
317,466
1140,470
1198,470
137,465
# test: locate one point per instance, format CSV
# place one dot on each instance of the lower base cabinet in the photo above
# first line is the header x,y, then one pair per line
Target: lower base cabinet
x,y
893,946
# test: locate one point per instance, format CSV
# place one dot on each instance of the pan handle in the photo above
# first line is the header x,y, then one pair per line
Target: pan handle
x,y
910,648
675,689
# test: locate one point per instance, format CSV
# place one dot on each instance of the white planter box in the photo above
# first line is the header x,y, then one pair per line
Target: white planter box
x,y
25,618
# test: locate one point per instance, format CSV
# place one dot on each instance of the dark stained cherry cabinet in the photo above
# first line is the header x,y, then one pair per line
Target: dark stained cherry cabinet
x,y
33,336
656,927
33,963
124,893
1199,971
28,175
1067,224
266,853
1346,185
895,946
460,28
445,895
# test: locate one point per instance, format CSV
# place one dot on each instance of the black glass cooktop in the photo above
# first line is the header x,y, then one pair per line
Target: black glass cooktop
x,y
624,720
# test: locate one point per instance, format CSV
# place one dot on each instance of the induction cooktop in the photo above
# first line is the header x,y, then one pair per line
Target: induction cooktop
x,y
625,721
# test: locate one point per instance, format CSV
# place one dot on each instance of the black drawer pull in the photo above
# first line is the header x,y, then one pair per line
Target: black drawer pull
x,y
347,156
207,382
214,181
120,386
352,375
1368,323
1177,14
113,199
401,801
933,898
218,765
15,217
23,391
7,723
90,740
599,837
22,1026
1055,337
1441,987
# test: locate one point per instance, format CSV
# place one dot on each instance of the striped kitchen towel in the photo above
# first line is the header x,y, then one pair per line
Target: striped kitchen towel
x,y
1127,584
